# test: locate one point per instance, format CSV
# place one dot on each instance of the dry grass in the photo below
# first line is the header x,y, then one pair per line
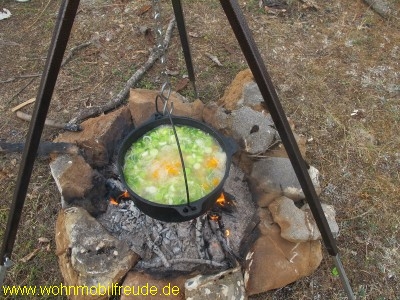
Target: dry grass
x,y
325,63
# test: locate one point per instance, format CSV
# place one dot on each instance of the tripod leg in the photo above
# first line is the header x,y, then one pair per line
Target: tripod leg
x,y
180,21
59,41
261,76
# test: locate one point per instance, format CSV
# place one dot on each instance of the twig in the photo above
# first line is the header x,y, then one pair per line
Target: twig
x,y
45,148
73,50
21,105
39,16
11,79
173,261
381,7
51,123
21,90
199,236
216,229
360,215
214,59
123,94
157,251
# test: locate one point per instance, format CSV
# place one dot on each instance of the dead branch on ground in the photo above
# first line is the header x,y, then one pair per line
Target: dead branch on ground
x,y
381,7
123,94
45,148
51,123
73,50
173,261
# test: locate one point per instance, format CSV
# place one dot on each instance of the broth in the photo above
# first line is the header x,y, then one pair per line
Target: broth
x,y
153,169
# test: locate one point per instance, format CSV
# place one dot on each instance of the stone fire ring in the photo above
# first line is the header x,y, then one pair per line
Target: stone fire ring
x,y
285,239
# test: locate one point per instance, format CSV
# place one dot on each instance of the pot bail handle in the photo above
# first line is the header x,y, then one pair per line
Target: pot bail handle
x,y
164,97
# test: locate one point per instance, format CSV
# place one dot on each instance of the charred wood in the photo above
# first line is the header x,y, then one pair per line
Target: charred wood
x,y
45,148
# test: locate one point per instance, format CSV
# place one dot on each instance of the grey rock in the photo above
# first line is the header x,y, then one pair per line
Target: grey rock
x,y
88,254
330,214
79,184
254,129
298,225
276,175
251,94
225,285
274,262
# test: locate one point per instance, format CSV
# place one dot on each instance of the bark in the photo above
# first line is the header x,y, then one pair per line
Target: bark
x,y
123,94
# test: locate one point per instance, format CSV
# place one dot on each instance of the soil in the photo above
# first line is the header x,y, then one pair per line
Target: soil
x,y
335,66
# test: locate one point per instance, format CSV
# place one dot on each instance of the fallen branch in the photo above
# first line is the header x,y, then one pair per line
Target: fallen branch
x,y
214,59
45,148
21,105
73,50
51,123
157,251
22,89
123,94
381,7
199,237
173,261
11,79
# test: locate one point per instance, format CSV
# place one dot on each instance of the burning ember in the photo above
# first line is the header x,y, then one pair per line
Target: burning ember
x,y
214,217
119,198
211,241
221,200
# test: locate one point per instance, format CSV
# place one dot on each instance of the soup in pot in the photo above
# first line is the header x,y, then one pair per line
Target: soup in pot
x,y
153,169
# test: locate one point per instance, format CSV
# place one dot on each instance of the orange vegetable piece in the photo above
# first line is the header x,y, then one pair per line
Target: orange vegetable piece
x,y
212,163
215,181
172,169
155,174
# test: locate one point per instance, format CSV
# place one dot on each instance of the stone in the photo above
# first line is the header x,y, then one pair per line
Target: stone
x,y
280,151
142,286
100,135
330,214
142,105
253,129
296,225
216,117
88,255
273,262
225,285
78,183
276,175
251,95
233,95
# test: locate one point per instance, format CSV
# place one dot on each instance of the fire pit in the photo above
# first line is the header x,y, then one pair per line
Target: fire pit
x,y
209,242
240,234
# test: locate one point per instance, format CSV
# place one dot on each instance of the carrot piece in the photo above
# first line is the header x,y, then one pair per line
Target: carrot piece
x,y
215,181
212,163
155,174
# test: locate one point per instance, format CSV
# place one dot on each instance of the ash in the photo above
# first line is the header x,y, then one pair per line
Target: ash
x,y
209,242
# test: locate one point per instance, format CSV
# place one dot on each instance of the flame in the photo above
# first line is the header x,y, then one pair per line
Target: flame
x,y
221,200
214,217
113,201
227,232
125,194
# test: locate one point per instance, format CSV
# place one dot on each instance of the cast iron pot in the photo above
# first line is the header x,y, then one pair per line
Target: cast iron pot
x,y
176,213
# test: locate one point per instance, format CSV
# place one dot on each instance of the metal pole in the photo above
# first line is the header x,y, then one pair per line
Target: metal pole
x,y
56,51
180,21
263,80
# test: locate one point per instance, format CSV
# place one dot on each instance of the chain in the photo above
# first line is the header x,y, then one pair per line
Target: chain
x,y
166,87
160,48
